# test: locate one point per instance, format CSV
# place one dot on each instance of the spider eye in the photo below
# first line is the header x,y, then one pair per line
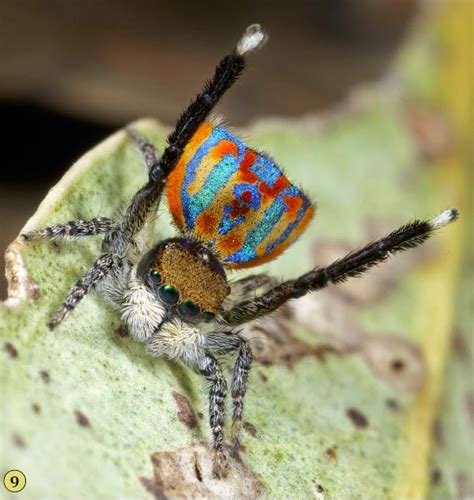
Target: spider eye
x,y
155,277
189,308
169,294
208,316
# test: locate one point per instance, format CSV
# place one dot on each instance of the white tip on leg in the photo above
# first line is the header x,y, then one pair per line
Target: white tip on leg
x,y
253,38
444,218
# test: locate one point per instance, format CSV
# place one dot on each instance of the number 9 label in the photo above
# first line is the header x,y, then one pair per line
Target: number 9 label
x,y
14,481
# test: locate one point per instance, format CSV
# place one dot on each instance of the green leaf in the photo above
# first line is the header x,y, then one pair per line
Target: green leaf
x,y
85,408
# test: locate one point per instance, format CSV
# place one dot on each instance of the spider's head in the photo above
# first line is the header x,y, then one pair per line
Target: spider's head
x,y
186,277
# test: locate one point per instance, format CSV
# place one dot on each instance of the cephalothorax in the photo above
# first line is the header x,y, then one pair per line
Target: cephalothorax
x,y
234,208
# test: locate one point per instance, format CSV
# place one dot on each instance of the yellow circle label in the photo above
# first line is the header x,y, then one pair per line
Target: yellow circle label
x,y
14,481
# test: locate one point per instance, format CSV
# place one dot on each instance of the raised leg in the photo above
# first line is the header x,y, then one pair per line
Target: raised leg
x,y
247,288
72,229
353,264
101,267
226,73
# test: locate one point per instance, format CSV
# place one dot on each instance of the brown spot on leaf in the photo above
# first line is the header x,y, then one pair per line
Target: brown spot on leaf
x,y
435,476
250,428
154,488
10,349
44,376
36,408
396,360
81,419
459,346
18,441
394,405
122,331
187,473
197,470
55,247
330,454
398,365
185,410
357,418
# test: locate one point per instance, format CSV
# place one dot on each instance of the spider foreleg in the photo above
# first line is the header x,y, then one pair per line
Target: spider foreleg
x,y
72,229
222,343
93,276
210,368
352,265
239,387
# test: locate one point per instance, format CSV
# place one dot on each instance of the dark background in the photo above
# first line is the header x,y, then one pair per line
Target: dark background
x,y
71,72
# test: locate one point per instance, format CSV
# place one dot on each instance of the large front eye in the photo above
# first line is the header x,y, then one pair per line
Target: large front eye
x,y
169,294
189,308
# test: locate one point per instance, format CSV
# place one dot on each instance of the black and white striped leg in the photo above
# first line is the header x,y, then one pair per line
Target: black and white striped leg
x,y
352,265
72,229
239,387
219,343
101,267
210,368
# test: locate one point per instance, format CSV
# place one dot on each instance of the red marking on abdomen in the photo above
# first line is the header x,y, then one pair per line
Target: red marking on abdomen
x,y
231,242
248,160
224,147
206,225
246,196
238,208
280,184
294,204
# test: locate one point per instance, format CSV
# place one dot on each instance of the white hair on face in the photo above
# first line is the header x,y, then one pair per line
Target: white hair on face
x,y
141,310
253,38
444,218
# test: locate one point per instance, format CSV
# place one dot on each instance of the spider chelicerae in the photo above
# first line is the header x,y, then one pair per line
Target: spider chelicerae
x,y
233,208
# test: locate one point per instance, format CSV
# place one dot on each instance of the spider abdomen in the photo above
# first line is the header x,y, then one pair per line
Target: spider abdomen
x,y
235,199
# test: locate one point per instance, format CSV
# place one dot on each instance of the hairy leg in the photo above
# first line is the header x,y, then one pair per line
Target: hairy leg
x,y
222,343
102,266
72,229
248,287
226,73
149,153
353,264
239,388
210,368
